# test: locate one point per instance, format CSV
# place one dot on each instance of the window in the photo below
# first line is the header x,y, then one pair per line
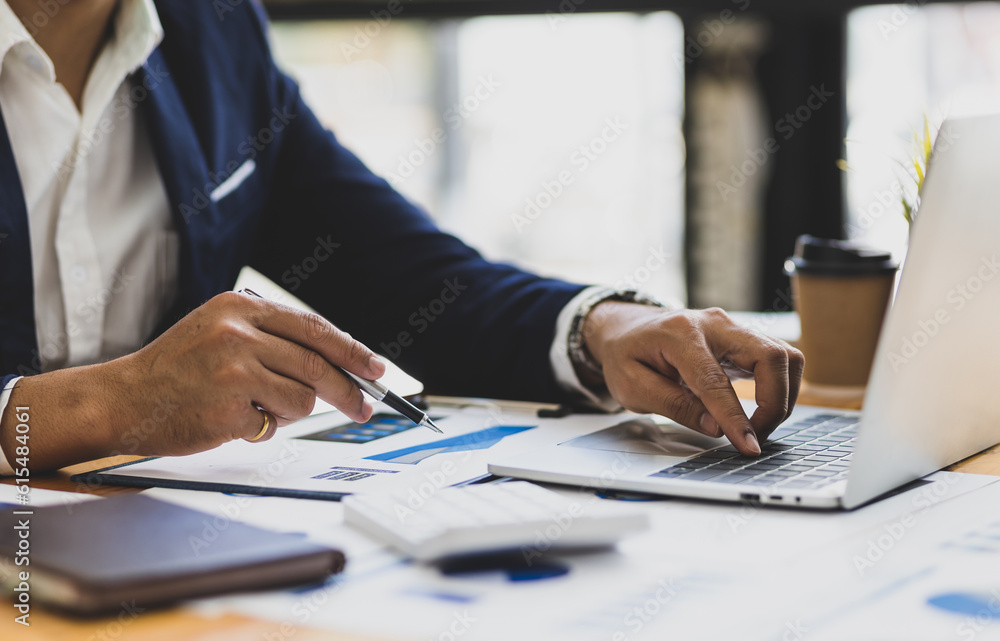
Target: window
x,y
550,141
905,61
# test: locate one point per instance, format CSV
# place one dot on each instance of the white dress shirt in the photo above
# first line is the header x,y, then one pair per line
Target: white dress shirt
x,y
104,248
103,245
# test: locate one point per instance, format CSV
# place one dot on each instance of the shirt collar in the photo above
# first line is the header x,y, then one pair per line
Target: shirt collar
x,y
137,33
14,37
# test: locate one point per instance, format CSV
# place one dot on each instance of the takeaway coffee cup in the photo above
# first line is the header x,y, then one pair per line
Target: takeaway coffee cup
x,y
841,291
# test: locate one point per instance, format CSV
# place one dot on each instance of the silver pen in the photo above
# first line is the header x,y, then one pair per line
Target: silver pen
x,y
380,392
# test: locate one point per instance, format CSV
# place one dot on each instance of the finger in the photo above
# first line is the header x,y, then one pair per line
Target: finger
x,y
314,332
287,399
796,364
768,360
702,373
647,391
267,428
771,391
292,361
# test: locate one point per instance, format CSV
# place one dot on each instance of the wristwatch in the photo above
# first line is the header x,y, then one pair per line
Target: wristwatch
x,y
579,355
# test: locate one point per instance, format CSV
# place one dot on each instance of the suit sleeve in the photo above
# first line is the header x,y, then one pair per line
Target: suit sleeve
x,y
6,384
343,240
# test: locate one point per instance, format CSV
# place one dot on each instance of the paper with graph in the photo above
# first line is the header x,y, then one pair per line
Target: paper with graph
x,y
325,455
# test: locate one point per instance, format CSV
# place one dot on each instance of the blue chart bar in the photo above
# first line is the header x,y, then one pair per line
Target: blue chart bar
x,y
981,606
379,426
480,440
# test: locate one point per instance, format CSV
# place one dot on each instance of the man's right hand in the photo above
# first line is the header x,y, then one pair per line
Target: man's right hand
x,y
196,386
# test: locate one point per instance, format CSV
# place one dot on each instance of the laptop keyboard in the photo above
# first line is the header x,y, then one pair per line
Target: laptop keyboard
x,y
807,454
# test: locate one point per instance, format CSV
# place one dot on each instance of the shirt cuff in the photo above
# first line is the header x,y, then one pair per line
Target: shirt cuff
x,y
562,365
5,467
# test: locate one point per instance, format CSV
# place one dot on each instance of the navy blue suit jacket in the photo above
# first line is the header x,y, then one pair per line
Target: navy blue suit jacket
x,y
214,101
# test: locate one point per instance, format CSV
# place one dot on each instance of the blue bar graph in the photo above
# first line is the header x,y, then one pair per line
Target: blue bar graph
x,y
480,440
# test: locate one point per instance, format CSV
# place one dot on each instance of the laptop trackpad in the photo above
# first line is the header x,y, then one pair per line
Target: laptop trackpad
x,y
644,436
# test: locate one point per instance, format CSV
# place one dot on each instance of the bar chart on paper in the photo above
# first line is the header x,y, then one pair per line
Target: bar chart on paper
x,y
326,456
480,440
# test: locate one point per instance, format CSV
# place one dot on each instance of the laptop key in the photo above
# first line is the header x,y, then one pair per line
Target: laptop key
x,y
703,475
824,473
714,455
763,466
747,460
727,465
826,428
728,478
822,418
745,473
670,472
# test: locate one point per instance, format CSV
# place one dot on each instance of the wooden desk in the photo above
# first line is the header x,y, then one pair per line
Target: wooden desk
x,y
176,623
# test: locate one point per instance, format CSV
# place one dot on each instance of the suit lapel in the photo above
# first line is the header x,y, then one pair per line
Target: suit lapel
x,y
185,176
18,342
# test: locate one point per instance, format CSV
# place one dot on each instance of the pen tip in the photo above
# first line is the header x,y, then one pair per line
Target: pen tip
x,y
429,423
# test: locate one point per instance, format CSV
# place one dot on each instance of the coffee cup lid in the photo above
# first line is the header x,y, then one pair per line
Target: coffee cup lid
x,y
827,257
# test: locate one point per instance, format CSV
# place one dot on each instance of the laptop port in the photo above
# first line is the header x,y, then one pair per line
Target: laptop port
x,y
746,496
775,497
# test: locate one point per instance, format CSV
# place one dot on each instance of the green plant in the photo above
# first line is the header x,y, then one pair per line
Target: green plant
x,y
914,170
923,146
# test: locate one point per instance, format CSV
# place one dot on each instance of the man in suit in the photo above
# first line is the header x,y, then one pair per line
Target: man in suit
x,y
150,150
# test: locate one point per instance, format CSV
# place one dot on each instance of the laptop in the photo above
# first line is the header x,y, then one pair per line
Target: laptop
x,y
932,399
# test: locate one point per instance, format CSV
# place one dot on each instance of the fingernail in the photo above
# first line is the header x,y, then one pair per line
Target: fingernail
x,y
752,442
375,364
708,425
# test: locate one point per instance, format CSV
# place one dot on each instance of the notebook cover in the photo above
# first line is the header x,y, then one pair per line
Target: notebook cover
x,y
107,553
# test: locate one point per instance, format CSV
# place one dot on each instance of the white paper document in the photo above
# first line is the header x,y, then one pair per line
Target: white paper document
x,y
329,453
704,571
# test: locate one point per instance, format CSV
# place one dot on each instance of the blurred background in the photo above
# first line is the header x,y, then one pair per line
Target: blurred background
x,y
675,149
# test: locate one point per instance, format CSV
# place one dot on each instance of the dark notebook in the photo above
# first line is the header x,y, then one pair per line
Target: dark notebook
x,y
104,554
